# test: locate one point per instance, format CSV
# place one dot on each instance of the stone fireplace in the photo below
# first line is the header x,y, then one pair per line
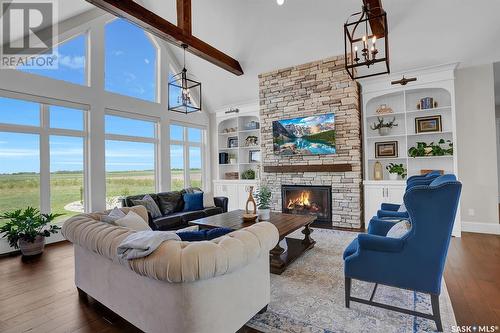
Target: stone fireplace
x,y
308,200
314,88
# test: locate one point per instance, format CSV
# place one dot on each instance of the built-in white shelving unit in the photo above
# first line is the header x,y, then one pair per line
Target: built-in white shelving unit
x,y
437,83
240,124
240,128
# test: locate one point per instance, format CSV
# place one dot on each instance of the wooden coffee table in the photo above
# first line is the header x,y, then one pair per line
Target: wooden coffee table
x,y
285,223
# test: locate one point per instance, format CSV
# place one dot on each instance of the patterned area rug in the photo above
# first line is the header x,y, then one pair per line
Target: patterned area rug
x,y
309,297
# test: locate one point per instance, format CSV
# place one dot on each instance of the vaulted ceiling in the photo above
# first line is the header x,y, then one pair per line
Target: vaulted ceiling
x,y
263,36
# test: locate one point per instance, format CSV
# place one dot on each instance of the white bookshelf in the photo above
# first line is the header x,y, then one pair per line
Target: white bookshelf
x,y
436,82
239,126
403,103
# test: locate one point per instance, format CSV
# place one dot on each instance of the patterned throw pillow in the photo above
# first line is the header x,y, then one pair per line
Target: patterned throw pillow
x,y
114,215
402,208
399,230
208,200
150,205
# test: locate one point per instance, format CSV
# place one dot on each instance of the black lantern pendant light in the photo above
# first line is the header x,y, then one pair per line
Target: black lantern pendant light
x,y
366,44
181,90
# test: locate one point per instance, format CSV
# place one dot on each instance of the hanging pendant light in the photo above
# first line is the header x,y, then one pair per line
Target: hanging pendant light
x,y
182,91
366,48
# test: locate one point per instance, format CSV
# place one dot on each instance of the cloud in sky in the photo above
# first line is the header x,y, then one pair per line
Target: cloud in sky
x,y
117,52
72,62
146,60
16,152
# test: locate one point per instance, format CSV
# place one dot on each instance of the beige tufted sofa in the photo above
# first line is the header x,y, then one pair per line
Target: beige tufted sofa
x,y
210,286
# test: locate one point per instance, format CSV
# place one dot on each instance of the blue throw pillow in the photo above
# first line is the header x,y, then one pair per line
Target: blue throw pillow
x,y
193,236
193,201
197,236
217,232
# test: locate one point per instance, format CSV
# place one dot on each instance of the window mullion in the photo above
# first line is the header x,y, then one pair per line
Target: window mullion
x,y
187,180
44,160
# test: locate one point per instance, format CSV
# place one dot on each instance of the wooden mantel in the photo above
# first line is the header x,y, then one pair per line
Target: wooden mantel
x,y
308,168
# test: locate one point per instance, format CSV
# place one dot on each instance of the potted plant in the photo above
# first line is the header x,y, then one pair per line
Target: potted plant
x,y
248,174
263,197
383,127
432,149
396,170
26,230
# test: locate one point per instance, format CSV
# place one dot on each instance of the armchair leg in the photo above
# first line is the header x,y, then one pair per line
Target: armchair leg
x,y
435,312
347,286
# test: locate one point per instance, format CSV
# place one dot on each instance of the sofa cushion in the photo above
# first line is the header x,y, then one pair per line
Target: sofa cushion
x,y
208,200
191,216
193,201
212,211
170,202
168,222
150,204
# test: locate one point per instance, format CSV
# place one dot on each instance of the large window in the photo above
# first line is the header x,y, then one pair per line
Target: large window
x,y
130,157
186,156
130,63
71,56
41,162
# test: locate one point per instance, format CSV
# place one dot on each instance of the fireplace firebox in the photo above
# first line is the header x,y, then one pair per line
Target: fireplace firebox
x,y
308,200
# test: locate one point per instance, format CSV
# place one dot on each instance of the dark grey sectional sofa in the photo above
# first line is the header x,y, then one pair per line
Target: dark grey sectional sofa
x,y
171,205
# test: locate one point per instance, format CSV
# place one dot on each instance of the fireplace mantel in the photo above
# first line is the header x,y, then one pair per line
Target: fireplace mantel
x,y
308,168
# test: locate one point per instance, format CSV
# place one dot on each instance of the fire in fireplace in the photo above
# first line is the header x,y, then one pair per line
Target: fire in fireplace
x,y
308,200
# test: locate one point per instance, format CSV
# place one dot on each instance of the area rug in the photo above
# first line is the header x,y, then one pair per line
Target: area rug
x,y
309,297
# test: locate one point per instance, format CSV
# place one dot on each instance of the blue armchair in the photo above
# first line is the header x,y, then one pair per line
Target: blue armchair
x,y
391,211
416,260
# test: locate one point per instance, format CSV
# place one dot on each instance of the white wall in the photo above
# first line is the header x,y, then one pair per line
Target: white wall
x,y
477,151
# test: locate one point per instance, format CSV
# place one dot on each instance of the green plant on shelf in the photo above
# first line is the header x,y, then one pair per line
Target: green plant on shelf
x,y
248,174
442,148
381,123
397,169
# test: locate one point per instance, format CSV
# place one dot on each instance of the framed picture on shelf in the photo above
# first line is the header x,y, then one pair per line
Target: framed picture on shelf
x,y
428,124
232,142
254,156
387,149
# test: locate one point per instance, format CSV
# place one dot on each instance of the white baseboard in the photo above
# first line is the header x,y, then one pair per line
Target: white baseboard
x,y
481,227
5,248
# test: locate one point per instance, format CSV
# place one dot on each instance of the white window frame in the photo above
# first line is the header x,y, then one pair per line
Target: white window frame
x,y
186,144
141,139
44,132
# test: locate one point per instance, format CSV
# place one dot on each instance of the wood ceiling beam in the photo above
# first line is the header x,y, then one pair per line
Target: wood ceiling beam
x,y
377,25
184,15
169,32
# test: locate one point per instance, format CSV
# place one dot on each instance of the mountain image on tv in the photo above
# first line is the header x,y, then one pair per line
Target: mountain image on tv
x,y
314,135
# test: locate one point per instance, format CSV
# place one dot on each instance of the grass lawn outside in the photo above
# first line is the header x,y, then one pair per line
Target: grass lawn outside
x,y
18,191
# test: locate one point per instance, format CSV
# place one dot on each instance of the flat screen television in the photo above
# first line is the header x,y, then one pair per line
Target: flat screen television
x,y
314,135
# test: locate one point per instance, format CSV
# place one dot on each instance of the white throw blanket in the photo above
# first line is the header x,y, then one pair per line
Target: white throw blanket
x,y
143,243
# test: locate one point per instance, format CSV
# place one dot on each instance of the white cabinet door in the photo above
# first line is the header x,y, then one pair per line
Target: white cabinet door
x,y
231,192
396,194
374,196
377,194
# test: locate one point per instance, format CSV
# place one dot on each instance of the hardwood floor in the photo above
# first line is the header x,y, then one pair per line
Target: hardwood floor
x,y
39,295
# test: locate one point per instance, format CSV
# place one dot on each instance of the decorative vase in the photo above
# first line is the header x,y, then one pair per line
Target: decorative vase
x,y
378,173
32,248
264,214
393,176
383,131
232,161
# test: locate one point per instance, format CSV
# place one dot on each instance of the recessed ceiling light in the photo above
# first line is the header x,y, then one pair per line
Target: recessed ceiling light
x,y
280,2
